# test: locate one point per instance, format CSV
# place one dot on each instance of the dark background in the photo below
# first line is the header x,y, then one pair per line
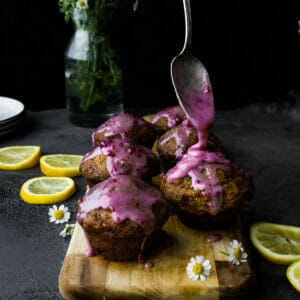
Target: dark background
x,y
250,48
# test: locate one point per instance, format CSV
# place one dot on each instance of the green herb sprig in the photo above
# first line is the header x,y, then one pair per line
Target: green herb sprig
x,y
99,77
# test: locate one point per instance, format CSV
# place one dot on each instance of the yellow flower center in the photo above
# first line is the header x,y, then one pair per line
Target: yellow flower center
x,y
82,4
197,269
237,252
59,214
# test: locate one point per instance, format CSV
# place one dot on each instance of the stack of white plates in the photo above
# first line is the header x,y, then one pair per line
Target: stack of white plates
x,y
12,115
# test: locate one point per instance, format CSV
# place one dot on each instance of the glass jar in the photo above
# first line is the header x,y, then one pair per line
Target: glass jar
x,y
93,76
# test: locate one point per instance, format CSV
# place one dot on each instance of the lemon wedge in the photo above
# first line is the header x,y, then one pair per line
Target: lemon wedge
x,y
293,275
156,180
154,148
47,190
278,243
60,165
19,157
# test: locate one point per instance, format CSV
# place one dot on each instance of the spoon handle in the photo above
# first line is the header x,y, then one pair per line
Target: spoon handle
x,y
188,25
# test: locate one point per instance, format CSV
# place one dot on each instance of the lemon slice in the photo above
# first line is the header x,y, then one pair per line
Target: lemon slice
x,y
278,243
156,180
19,157
293,275
47,190
60,165
154,148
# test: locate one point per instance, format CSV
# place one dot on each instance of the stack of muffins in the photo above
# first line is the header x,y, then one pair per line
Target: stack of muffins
x,y
122,213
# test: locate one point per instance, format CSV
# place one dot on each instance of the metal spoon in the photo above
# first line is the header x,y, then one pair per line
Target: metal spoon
x,y
191,82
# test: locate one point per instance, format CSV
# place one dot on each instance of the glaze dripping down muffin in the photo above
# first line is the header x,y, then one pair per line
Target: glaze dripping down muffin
x,y
174,143
122,217
125,126
118,157
206,189
168,118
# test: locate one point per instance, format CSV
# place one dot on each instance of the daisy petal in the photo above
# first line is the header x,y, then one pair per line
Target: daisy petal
x,y
199,258
206,263
195,277
61,207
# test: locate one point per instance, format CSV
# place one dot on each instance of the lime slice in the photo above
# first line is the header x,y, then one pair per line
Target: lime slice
x,y
60,165
47,190
293,275
277,243
19,157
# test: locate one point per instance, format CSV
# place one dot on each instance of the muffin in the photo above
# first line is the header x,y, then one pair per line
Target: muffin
x,y
168,118
122,218
206,190
125,126
174,143
118,157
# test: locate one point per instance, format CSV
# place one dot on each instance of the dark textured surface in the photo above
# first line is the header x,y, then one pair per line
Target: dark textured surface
x,y
239,53
261,139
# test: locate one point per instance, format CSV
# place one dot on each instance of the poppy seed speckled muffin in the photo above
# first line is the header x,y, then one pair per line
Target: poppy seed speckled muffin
x,y
118,157
128,127
173,144
168,118
206,194
122,218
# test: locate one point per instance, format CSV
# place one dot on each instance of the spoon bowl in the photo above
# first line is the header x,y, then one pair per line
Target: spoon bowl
x,y
191,81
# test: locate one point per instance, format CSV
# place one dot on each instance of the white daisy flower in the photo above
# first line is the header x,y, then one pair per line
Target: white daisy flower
x,y
59,215
82,4
68,230
236,253
198,268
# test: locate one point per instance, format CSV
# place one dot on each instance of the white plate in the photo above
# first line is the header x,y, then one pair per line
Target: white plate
x,y
10,108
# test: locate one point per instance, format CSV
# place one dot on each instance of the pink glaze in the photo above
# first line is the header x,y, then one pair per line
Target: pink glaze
x,y
199,107
193,160
200,110
141,261
148,265
203,176
200,165
89,250
181,136
123,157
214,238
127,198
174,115
120,124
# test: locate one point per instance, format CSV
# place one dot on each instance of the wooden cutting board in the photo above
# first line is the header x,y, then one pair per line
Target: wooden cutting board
x,y
82,277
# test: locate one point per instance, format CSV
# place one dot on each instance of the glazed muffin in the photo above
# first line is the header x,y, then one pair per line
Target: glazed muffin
x,y
122,218
125,126
206,194
174,143
118,157
168,118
